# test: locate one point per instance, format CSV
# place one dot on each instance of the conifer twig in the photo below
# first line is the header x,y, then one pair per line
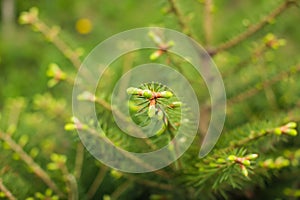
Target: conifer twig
x,y
70,182
128,63
267,83
181,20
79,160
37,170
14,115
247,140
131,156
119,191
256,53
60,44
207,21
149,183
97,182
6,191
253,28
51,34
256,135
121,116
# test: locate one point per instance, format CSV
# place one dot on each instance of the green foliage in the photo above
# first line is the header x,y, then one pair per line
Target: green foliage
x,y
254,45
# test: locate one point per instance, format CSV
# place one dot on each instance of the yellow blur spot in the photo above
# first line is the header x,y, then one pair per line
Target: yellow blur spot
x,y
83,26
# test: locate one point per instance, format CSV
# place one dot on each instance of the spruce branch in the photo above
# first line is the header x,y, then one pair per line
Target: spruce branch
x,y
222,172
265,84
270,41
256,52
59,162
134,158
80,126
51,34
218,170
253,28
87,96
37,170
287,129
31,18
8,194
163,46
157,101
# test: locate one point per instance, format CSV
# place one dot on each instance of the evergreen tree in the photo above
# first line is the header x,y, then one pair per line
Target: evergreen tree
x,y
257,155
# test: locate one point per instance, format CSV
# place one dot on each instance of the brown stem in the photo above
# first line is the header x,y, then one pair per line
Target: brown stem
x,y
249,139
207,23
97,182
104,104
149,183
119,191
6,191
37,170
253,28
181,20
79,160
